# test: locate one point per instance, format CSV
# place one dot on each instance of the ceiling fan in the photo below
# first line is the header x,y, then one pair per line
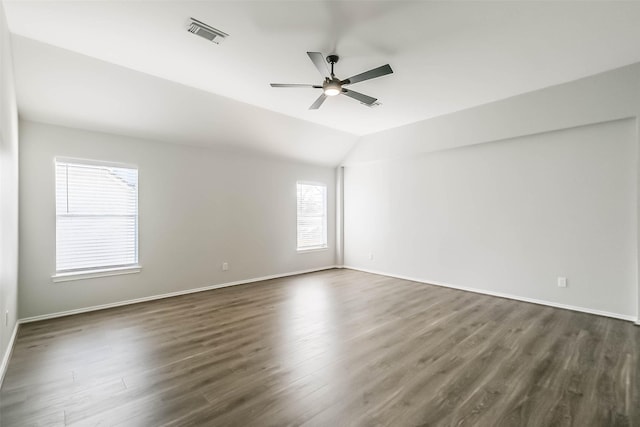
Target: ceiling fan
x,y
333,86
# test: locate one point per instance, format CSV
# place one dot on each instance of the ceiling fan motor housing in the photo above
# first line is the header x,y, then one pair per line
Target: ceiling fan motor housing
x,y
332,87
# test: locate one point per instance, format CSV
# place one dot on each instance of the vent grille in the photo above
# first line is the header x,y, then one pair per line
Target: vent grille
x,y
206,31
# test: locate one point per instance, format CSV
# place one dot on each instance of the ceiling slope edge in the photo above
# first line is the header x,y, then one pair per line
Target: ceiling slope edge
x,y
602,97
62,87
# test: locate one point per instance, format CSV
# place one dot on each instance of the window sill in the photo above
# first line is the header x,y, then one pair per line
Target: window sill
x,y
90,274
318,249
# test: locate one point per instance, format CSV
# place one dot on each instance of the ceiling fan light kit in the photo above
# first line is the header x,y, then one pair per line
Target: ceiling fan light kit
x,y
333,86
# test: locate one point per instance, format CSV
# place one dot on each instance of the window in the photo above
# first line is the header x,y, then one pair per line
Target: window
x,y
96,216
312,216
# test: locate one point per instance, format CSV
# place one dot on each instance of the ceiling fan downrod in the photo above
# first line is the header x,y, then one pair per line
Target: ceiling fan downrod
x,y
332,59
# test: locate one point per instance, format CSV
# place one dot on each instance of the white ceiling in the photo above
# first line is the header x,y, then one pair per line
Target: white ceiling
x,y
446,56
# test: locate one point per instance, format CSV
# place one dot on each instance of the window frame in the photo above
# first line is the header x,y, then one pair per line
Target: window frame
x,y
325,218
103,271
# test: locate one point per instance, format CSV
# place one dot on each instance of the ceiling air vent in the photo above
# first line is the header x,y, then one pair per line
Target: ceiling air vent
x,y
205,31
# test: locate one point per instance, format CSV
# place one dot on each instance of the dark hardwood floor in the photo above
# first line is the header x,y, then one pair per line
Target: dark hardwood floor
x,y
334,348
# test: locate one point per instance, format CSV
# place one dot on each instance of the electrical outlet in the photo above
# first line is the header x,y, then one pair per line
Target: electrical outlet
x,y
371,256
562,282
225,266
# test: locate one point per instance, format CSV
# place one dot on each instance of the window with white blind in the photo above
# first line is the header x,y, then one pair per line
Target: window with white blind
x,y
312,216
96,216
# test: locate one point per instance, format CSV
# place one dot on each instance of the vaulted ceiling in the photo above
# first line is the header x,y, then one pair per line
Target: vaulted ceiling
x,y
131,67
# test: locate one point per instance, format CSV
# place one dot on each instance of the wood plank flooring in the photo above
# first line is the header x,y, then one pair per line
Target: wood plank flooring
x,y
333,348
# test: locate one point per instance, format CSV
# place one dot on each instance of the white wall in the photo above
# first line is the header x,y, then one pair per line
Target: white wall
x,y
197,208
504,198
8,193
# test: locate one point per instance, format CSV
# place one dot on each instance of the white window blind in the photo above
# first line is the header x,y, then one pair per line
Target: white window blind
x,y
312,216
96,216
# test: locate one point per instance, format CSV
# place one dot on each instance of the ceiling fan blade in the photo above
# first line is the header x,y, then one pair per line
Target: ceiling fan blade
x,y
368,75
294,85
365,99
318,60
318,102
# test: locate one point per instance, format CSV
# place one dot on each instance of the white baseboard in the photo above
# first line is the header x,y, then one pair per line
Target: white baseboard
x,y
503,295
8,351
168,295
